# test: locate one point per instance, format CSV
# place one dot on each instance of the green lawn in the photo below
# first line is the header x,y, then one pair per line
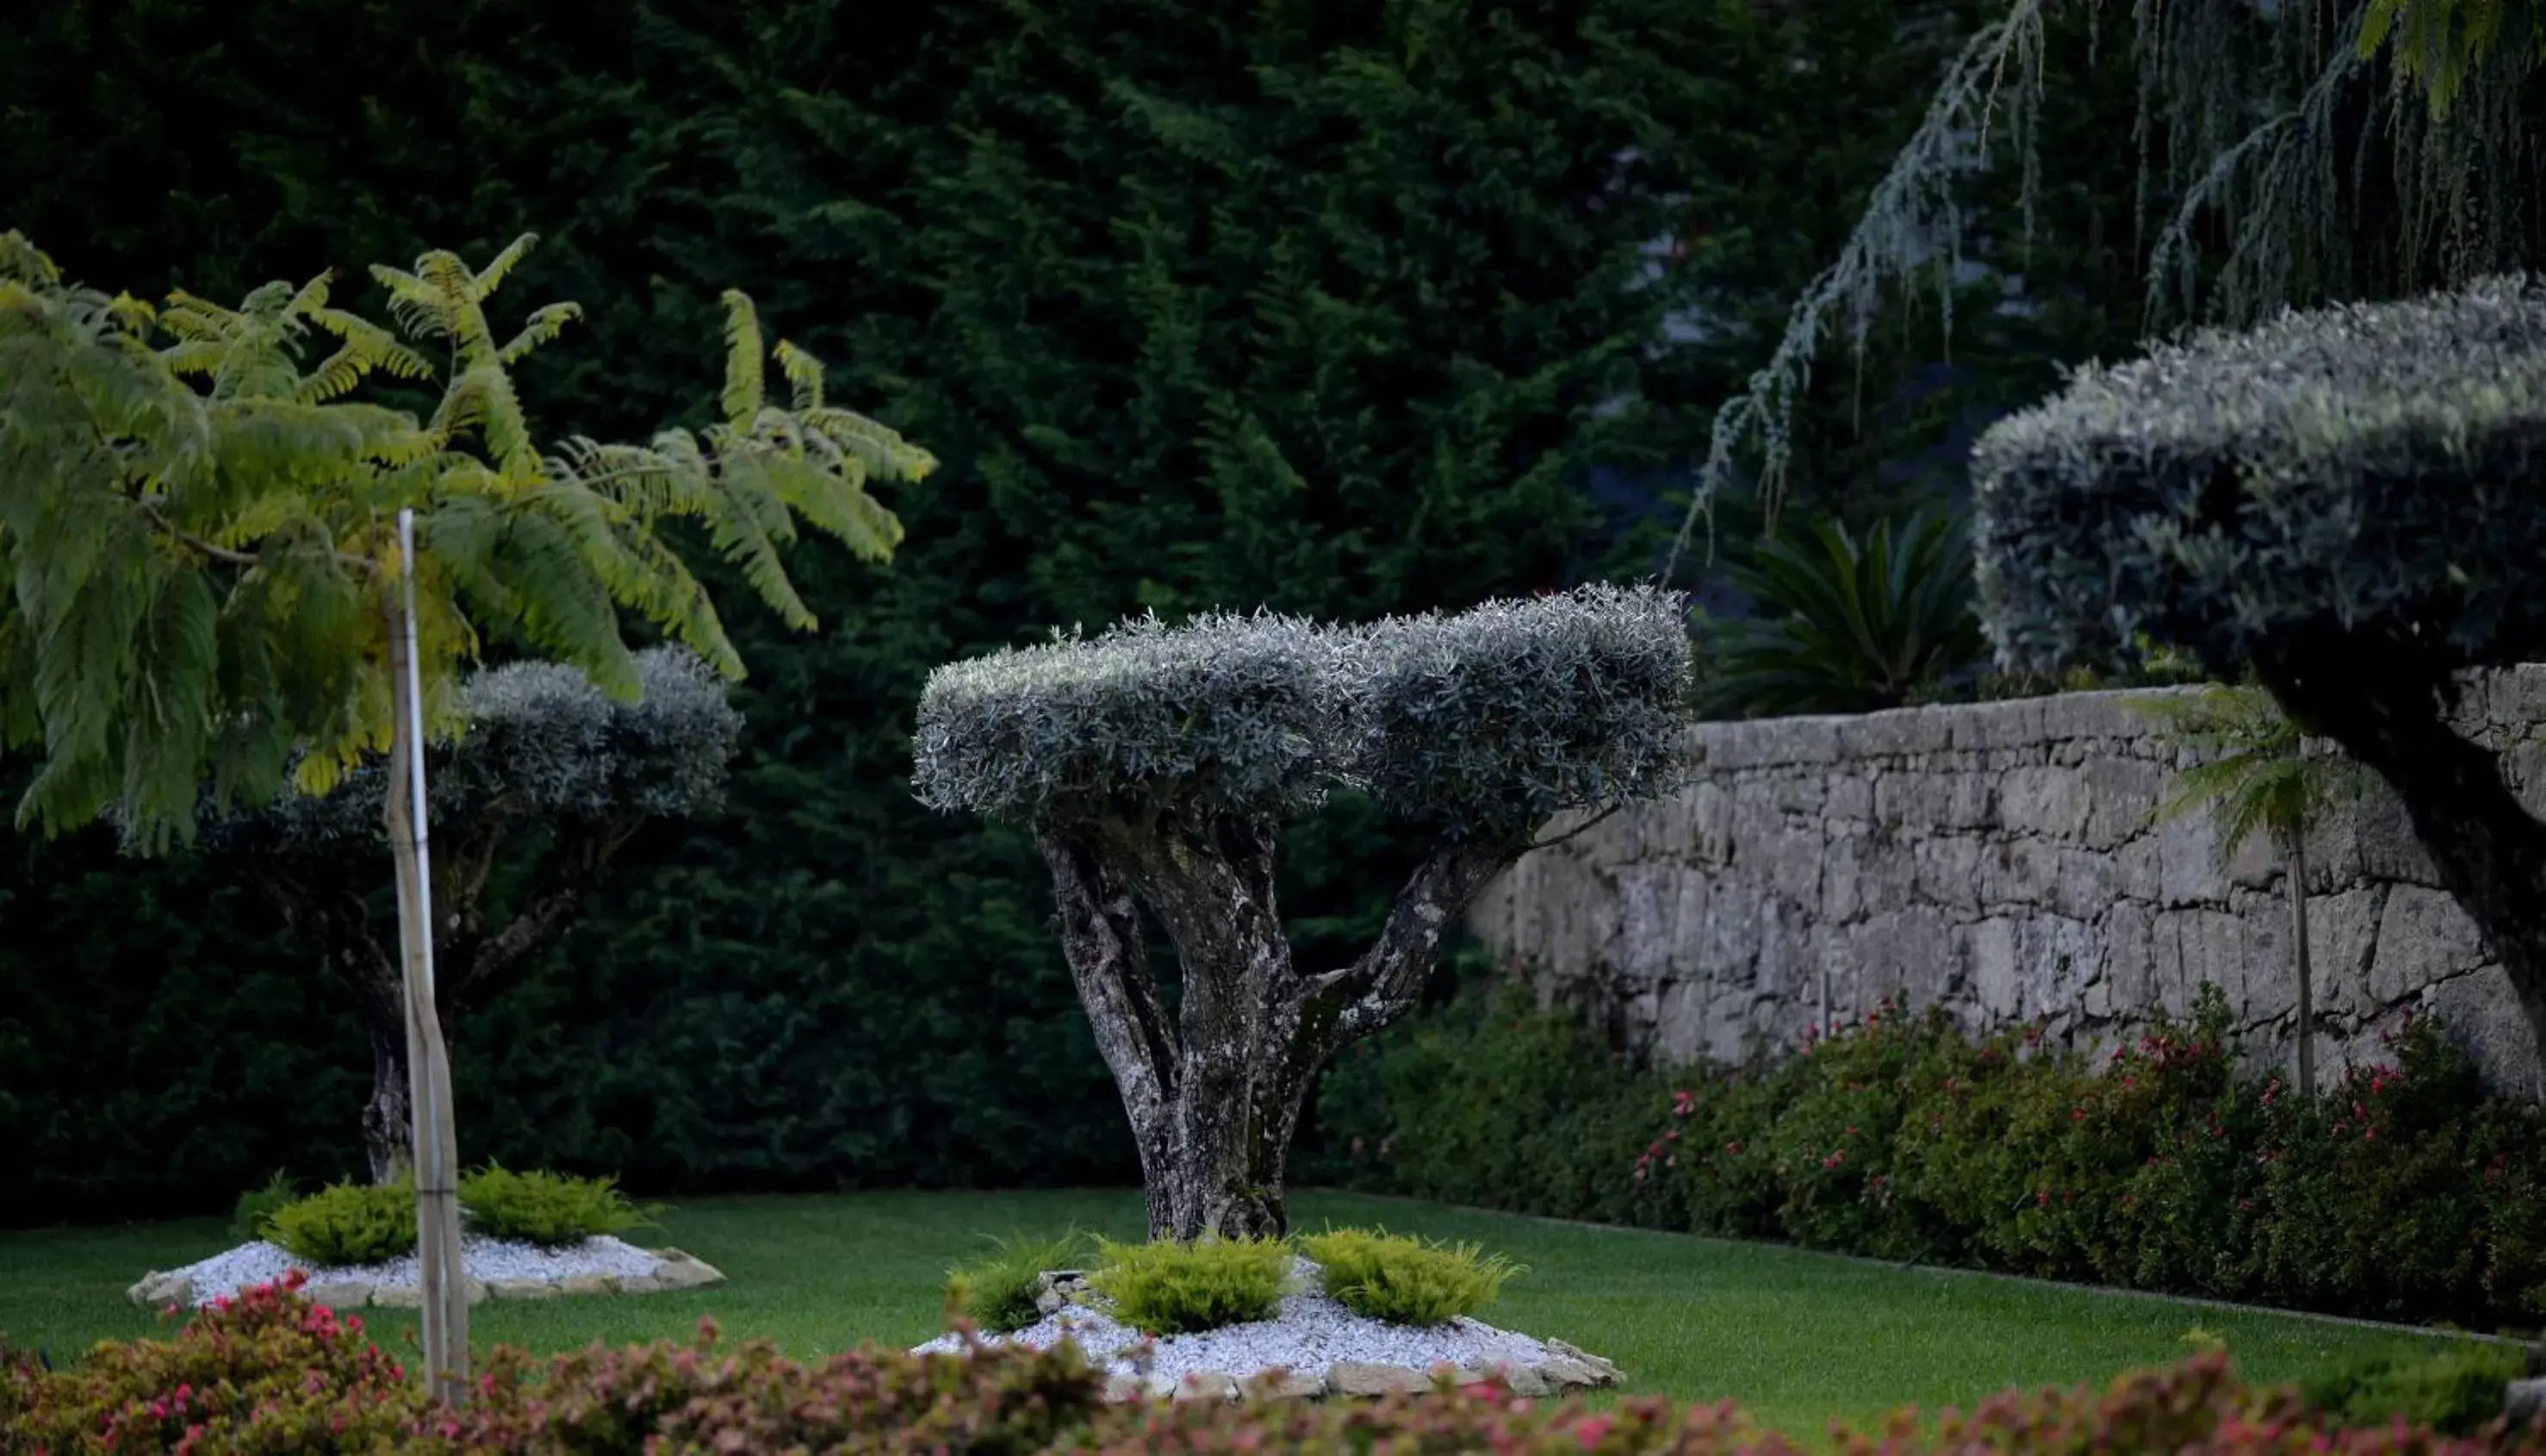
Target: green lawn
x,y
1796,1338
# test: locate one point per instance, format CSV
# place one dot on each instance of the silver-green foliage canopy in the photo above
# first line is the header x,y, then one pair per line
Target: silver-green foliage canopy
x,y
542,744
2348,466
1225,710
1498,717
1482,720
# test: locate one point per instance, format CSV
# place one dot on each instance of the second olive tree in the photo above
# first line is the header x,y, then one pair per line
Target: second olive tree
x,y
531,804
1156,765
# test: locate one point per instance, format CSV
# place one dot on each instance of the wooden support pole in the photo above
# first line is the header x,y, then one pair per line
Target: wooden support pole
x,y
443,1280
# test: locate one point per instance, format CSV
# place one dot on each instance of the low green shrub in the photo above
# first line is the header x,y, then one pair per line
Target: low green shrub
x,y
346,1224
997,1292
1406,1281
1171,1288
270,1374
2403,1191
2453,1389
257,1206
546,1208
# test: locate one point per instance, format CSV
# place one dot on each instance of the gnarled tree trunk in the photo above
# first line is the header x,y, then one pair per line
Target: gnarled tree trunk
x,y
1214,1092
2384,700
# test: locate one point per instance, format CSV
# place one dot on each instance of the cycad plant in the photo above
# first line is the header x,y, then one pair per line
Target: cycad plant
x,y
1847,628
220,571
2254,775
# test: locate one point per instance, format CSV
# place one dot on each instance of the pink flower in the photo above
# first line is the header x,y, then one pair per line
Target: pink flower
x,y
1591,1430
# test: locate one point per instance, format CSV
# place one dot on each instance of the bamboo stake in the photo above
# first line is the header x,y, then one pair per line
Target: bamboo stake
x,y
442,1280
2296,873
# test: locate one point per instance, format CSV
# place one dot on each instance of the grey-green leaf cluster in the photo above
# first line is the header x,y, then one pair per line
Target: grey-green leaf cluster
x,y
1226,711
1491,719
540,743
2368,464
1485,720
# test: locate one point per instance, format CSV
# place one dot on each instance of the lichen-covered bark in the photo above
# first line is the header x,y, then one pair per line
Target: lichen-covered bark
x,y
1100,937
1210,880
2384,701
1215,1096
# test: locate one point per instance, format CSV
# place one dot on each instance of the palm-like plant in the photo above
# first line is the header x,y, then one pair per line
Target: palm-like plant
x,y
198,536
2255,776
1845,627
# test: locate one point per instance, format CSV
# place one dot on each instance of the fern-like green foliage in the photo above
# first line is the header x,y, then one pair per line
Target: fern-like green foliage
x,y
1845,627
346,1224
2437,44
997,1291
2251,775
549,1209
1406,1281
197,525
1170,1288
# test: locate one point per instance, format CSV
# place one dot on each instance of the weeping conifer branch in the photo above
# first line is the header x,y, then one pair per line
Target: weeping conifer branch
x,y
2255,112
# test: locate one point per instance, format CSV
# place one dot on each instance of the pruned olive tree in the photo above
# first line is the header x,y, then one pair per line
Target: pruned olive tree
x,y
549,779
1156,765
2347,501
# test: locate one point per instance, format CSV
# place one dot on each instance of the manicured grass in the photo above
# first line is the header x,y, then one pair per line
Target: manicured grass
x,y
1798,1338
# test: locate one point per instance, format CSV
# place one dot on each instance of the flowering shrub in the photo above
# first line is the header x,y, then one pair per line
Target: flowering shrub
x,y
271,1374
2403,1191
265,1372
666,1398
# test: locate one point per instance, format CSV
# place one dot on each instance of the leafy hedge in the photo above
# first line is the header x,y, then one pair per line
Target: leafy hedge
x,y
2404,1191
272,1373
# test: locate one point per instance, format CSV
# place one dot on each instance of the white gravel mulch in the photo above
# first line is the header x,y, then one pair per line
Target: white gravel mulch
x,y
1311,1334
261,1262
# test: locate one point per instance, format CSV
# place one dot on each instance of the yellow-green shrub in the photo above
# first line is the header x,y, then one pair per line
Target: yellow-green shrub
x,y
545,1208
347,1224
1169,1288
1403,1280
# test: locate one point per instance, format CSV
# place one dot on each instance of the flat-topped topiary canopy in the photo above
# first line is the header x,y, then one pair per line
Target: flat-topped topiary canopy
x,y
1156,763
2349,502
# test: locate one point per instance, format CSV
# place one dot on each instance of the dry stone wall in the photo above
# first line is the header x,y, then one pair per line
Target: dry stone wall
x,y
2004,861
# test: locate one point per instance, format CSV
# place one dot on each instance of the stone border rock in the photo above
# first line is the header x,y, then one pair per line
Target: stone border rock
x,y
674,1271
1566,1370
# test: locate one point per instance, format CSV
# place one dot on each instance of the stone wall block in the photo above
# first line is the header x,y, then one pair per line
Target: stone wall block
x,y
2482,1014
2044,799
2122,798
1946,871
2000,861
